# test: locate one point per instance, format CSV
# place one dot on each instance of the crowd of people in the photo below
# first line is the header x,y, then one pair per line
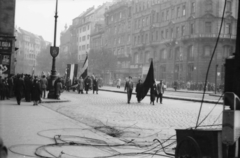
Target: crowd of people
x,y
31,88
196,86
80,85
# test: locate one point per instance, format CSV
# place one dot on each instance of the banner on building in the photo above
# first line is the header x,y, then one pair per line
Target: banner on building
x,y
71,71
4,64
84,73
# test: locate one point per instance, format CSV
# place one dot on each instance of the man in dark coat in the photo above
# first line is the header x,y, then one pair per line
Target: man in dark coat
x,y
95,85
138,90
19,89
129,88
87,84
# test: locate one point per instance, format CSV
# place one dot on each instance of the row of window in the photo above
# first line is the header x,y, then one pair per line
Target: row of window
x,y
83,47
83,38
179,54
125,39
178,31
121,27
119,16
83,28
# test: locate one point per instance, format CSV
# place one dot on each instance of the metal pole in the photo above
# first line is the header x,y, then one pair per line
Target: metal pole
x,y
51,93
216,78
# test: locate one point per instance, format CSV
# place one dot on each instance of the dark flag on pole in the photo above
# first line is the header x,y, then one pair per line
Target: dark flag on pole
x,y
85,68
149,81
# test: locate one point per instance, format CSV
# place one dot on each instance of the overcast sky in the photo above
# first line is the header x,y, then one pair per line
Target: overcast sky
x,y
37,16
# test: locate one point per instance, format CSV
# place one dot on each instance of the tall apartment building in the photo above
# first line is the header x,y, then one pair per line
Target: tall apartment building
x,y
118,19
180,36
29,45
83,26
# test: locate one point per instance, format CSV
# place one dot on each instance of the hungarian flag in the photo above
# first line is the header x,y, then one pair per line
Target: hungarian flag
x,y
72,70
85,68
149,81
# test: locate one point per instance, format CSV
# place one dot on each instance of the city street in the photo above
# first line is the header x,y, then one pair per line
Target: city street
x,y
123,130
108,109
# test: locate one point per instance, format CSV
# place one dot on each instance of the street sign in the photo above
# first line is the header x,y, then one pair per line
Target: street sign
x,y
54,51
5,46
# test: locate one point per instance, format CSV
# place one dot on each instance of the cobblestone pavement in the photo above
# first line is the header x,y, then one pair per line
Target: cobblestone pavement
x,y
109,108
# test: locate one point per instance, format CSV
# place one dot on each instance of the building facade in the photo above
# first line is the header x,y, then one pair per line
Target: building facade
x,y
7,38
118,19
180,36
30,45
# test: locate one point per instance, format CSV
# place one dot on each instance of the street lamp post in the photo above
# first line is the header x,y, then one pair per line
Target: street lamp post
x,y
54,52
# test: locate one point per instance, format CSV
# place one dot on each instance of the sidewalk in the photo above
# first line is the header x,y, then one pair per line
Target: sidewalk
x,y
121,90
24,128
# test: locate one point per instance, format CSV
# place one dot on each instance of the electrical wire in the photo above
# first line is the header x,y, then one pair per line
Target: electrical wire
x,y
209,65
210,111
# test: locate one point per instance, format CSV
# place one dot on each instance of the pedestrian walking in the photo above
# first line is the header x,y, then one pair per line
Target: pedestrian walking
x,y
80,86
129,88
95,85
87,84
153,93
138,90
19,88
58,88
68,83
160,91
44,84
36,91
119,83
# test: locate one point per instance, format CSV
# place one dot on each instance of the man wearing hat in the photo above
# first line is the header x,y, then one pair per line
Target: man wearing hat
x,y
160,91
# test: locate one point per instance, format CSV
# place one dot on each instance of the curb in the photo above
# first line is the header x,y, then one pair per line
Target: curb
x,y
55,101
168,97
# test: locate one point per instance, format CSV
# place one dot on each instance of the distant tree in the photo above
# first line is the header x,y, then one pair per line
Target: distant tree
x,y
102,60
44,61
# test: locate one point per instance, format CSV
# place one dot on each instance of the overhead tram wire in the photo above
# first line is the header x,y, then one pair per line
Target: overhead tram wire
x,y
210,62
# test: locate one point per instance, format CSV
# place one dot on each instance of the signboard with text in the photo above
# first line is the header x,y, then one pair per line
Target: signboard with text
x,y
5,62
5,46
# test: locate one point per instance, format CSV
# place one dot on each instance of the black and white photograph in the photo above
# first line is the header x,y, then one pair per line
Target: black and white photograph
x,y
119,79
